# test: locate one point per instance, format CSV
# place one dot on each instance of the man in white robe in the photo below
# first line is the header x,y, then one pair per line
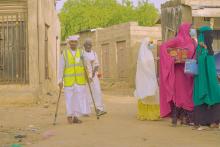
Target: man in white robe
x,y
92,64
77,103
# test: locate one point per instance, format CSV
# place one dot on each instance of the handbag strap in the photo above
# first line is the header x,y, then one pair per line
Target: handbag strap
x,y
194,44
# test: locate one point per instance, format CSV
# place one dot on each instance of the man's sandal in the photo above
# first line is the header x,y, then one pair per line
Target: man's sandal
x,y
76,120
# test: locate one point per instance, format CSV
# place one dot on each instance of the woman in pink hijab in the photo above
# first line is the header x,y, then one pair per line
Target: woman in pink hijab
x,y
176,88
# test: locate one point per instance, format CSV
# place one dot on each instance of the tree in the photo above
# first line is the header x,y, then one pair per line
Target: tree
x,y
127,3
147,14
79,15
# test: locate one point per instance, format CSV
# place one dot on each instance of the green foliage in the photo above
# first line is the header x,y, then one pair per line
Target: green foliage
x,y
79,15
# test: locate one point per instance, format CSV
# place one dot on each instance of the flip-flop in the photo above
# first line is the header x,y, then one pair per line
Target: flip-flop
x,y
202,128
101,113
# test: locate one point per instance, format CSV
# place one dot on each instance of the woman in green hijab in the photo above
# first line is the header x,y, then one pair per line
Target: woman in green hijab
x,y
206,87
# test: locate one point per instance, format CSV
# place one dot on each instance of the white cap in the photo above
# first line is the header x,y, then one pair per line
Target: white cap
x,y
73,38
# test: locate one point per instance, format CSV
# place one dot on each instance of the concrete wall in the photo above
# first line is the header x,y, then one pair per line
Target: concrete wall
x,y
129,32
200,9
88,34
173,13
200,21
48,18
137,34
202,2
40,12
206,12
197,2
111,35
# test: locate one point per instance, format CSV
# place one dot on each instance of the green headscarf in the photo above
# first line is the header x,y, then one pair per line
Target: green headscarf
x,y
204,28
200,50
206,86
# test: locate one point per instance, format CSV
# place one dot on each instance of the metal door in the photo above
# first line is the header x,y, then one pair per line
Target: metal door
x,y
105,60
13,48
122,58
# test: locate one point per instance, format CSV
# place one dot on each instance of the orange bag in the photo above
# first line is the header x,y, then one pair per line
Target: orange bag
x,y
179,55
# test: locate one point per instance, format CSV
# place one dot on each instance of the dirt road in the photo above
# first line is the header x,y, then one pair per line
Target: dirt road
x,y
119,128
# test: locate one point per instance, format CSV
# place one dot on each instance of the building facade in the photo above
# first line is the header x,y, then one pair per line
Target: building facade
x,y
197,12
117,48
29,48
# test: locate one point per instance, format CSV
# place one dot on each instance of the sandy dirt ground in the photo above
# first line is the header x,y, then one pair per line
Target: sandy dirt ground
x,y
119,128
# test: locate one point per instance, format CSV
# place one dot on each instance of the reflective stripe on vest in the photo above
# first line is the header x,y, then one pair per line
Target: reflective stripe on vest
x,y
74,72
73,75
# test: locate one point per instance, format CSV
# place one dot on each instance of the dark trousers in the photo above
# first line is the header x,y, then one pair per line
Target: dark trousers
x,y
206,115
185,116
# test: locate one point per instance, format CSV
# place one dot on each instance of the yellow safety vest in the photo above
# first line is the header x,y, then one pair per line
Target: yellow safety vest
x,y
74,72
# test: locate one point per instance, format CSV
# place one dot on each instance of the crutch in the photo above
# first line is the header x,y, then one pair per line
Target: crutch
x,y
90,89
55,117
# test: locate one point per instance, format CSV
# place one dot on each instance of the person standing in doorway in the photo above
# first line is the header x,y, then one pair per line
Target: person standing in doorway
x,y
92,65
72,75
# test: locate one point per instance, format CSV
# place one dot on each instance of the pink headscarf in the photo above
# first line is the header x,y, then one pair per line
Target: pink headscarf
x,y
173,81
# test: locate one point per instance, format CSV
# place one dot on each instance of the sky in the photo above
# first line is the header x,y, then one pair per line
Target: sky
x,y
156,3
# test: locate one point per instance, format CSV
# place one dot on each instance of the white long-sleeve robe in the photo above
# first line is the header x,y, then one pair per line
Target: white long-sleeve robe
x,y
91,61
77,103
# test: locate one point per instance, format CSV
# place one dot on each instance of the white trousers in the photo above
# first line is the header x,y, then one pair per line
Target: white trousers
x,y
77,103
97,93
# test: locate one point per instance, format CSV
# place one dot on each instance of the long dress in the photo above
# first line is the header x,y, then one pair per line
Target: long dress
x,y
146,85
176,88
206,87
77,103
91,59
